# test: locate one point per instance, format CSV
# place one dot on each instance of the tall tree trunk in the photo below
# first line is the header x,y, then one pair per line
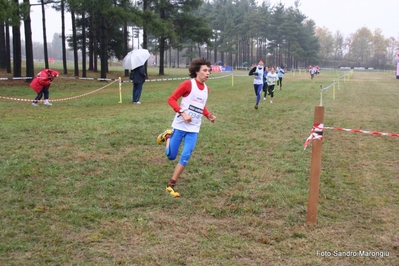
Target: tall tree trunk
x,y
95,44
103,48
126,43
16,45
75,45
84,44
145,35
44,36
28,46
91,49
64,56
170,56
178,58
3,57
199,49
236,61
161,56
162,40
8,49
215,53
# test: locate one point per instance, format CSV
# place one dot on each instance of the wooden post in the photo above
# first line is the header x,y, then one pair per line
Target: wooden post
x,y
334,90
315,169
120,90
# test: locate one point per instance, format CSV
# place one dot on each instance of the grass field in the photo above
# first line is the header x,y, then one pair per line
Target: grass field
x,y
83,182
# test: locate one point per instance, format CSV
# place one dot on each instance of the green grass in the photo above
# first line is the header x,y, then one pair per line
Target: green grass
x,y
83,182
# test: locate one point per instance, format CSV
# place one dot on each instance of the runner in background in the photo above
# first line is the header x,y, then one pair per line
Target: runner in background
x,y
272,78
257,72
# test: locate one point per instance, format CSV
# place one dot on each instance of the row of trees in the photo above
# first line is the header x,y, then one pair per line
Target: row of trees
x,y
234,31
100,29
362,48
231,31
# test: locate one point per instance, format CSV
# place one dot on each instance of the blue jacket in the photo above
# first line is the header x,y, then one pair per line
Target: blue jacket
x,y
138,75
280,72
264,77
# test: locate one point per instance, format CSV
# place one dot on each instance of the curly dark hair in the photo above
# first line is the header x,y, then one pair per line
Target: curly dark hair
x,y
196,64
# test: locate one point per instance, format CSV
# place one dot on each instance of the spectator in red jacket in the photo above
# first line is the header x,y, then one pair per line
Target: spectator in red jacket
x,y
41,84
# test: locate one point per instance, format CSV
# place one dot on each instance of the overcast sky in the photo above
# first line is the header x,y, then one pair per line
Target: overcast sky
x,y
347,16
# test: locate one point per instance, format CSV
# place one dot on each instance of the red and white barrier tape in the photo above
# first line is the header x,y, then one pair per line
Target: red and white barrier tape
x,y
317,133
57,100
365,131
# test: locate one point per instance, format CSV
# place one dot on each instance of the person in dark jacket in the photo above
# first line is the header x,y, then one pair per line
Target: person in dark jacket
x,y
265,82
138,77
280,74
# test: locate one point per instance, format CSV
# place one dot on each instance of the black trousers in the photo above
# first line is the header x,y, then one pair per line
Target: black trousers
x,y
265,89
40,94
270,89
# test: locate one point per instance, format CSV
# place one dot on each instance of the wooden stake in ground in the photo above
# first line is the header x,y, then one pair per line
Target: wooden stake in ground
x,y
120,90
315,168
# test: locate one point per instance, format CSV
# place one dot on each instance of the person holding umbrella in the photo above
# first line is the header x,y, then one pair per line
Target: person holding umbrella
x,y
135,60
41,85
138,76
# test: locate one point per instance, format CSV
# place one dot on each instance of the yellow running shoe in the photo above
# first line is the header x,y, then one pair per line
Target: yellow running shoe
x,y
171,191
162,137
